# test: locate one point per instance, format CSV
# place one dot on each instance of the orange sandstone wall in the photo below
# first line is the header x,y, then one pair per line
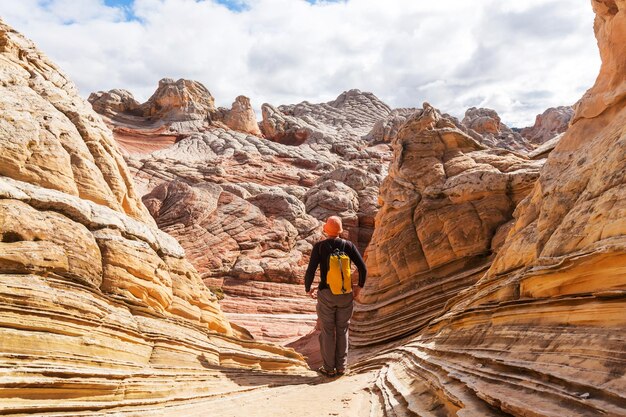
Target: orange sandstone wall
x,y
542,333
447,204
98,308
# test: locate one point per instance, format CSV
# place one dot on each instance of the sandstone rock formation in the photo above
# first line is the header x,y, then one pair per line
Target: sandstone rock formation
x,y
446,207
182,100
543,150
180,105
114,102
338,125
100,309
550,123
248,210
241,117
542,331
98,316
244,248
174,110
492,131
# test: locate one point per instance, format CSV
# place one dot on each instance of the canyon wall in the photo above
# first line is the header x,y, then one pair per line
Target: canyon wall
x,y
542,332
99,308
447,206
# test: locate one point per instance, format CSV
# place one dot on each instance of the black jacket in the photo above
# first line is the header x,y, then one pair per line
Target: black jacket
x,y
320,255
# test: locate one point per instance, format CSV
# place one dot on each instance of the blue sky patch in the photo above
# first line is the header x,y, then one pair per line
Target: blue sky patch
x,y
119,3
125,5
234,5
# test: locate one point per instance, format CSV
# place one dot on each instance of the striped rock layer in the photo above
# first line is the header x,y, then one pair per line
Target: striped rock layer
x,y
99,310
542,332
447,205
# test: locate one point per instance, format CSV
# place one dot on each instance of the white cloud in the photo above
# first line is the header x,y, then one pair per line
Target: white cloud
x,y
516,57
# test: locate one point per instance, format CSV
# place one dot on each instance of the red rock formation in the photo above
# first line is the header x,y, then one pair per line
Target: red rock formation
x,y
247,210
549,124
244,248
144,141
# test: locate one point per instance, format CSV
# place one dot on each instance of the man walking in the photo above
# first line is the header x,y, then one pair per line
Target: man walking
x,y
333,310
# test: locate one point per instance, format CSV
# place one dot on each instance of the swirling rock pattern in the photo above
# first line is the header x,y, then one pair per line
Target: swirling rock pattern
x,y
100,309
254,237
542,331
446,204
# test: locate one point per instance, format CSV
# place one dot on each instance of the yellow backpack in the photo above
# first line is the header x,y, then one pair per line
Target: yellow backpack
x,y
338,277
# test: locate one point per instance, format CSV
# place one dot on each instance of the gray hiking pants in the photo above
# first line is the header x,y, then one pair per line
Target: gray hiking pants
x,y
334,312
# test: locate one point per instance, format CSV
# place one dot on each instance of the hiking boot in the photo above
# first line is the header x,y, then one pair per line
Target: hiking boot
x,y
326,372
341,372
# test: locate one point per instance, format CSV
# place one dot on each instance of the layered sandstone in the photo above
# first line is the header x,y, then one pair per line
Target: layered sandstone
x,y
542,331
255,257
446,207
100,309
549,124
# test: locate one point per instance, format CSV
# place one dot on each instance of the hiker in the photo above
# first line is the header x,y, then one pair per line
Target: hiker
x,y
335,298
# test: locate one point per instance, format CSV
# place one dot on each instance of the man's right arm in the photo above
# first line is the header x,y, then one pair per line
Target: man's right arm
x,y
314,261
357,260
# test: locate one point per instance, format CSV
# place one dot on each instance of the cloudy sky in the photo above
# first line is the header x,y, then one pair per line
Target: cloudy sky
x,y
518,57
